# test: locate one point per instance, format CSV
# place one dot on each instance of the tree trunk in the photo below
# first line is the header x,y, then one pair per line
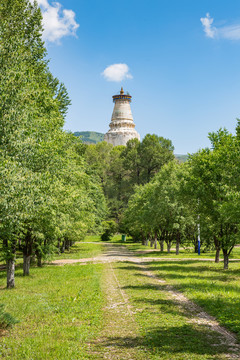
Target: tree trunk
x,y
225,254
27,252
10,273
177,247
169,244
217,255
218,248
26,264
151,242
63,247
155,241
39,258
39,261
143,242
162,245
67,245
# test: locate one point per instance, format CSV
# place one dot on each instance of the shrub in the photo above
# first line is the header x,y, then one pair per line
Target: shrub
x,y
110,228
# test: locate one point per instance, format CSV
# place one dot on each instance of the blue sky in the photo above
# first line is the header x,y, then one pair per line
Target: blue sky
x,y
182,55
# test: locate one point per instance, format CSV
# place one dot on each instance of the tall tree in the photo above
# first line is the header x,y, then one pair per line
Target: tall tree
x,y
155,151
215,183
44,189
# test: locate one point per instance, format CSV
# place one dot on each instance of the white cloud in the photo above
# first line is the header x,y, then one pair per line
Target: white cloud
x,y
230,32
117,72
209,30
57,22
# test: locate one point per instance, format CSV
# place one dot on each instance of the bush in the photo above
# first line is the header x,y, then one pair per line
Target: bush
x,y
110,228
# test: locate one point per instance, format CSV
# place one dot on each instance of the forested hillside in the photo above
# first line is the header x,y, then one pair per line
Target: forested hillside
x,y
92,137
89,137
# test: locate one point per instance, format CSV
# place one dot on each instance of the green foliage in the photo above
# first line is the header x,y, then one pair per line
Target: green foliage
x,y
204,190
120,168
214,182
110,228
157,209
46,195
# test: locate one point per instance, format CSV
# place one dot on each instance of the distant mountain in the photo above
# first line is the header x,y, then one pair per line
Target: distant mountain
x,y
92,137
181,158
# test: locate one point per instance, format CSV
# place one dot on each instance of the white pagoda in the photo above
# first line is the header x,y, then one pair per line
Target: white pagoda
x,y
122,127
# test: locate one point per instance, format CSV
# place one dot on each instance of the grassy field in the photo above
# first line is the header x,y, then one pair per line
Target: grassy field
x,y
59,309
80,250
165,330
207,284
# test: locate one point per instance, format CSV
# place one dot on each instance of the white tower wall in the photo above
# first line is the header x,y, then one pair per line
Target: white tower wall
x,y
122,127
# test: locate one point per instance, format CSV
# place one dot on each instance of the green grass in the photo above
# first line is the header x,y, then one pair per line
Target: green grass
x,y
115,239
92,238
207,284
80,250
59,309
165,330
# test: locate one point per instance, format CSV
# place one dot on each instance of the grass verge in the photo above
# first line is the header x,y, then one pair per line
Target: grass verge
x,y
59,309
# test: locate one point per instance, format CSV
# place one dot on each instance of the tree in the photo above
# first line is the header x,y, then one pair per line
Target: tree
x,y
45,192
215,183
154,151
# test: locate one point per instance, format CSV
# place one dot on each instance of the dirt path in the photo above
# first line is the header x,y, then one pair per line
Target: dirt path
x,y
119,323
119,316
115,253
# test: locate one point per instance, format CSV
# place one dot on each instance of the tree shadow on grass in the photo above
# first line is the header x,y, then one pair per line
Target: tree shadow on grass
x,y
219,304
176,269
185,341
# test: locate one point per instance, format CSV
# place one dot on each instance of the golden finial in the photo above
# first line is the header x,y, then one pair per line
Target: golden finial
x,y
121,92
